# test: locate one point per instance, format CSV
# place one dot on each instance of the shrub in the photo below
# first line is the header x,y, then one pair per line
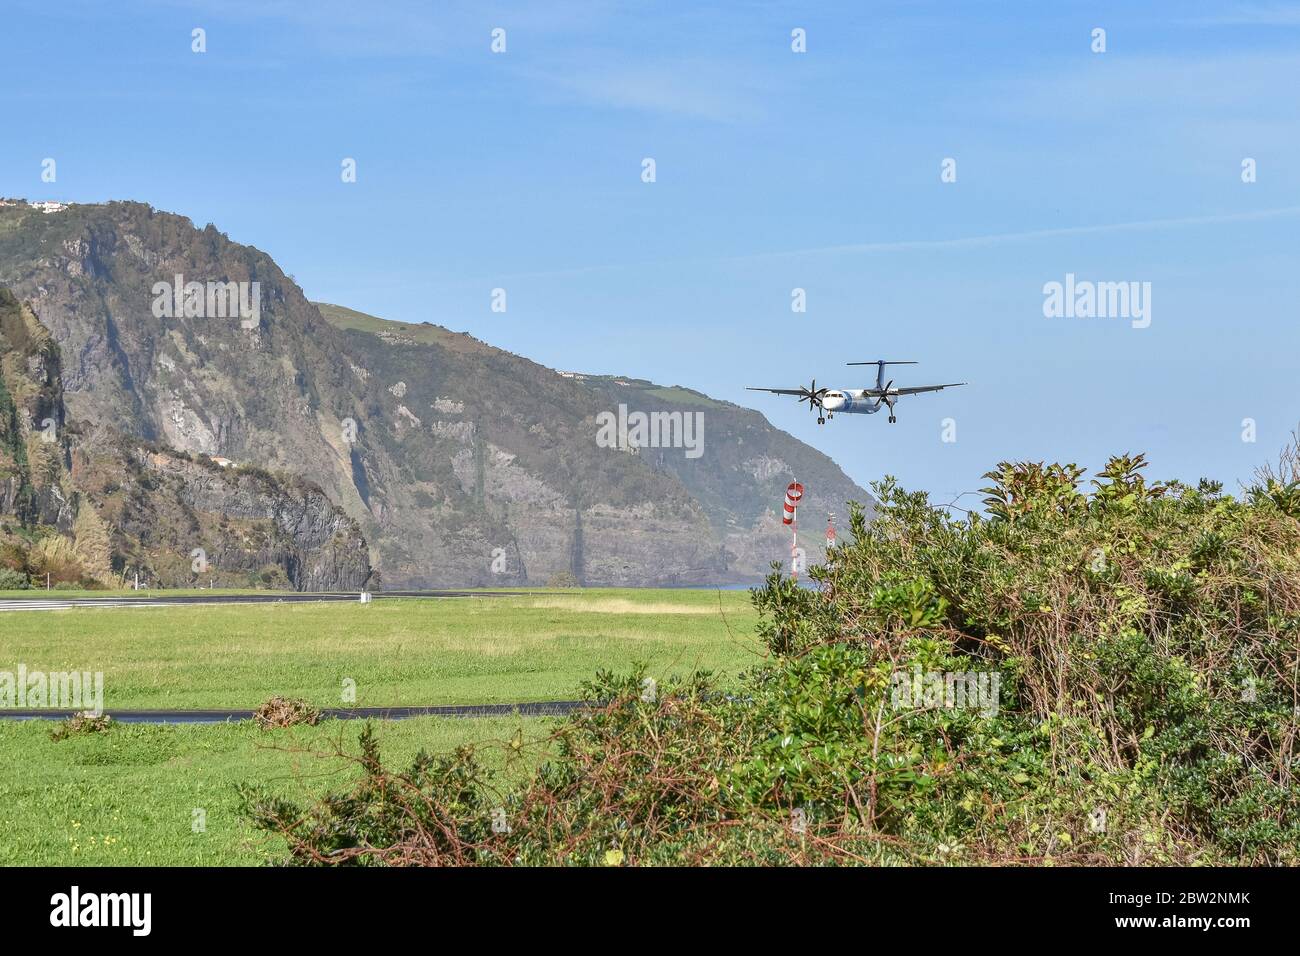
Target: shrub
x,y
55,556
11,580
285,712
1134,646
81,725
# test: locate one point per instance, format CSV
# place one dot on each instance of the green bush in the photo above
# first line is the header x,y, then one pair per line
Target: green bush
x,y
11,580
1078,676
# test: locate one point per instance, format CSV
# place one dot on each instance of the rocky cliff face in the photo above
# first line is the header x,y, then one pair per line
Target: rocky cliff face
x,y
390,420
195,521
531,457
123,506
33,449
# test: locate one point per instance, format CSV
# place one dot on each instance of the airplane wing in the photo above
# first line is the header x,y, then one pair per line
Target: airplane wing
x,y
778,391
913,390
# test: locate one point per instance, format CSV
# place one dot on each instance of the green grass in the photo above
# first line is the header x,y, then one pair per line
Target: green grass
x,y
681,396
127,797
425,333
398,651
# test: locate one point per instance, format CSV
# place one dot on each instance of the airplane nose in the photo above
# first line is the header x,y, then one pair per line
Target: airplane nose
x,y
833,402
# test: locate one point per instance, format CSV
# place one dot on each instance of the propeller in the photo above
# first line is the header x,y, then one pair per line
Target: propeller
x,y
880,397
813,395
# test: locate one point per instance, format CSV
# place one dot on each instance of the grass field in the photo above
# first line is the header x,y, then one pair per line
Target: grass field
x,y
128,796
398,652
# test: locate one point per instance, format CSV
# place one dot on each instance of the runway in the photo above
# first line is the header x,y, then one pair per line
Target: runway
x,y
271,597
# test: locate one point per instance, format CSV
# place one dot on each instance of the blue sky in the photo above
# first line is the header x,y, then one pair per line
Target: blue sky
x,y
775,170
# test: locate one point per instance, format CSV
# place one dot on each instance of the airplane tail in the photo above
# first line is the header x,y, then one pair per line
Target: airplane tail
x,y
880,369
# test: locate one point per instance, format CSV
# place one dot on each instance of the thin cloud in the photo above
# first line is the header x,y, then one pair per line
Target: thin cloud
x,y
1003,237
912,245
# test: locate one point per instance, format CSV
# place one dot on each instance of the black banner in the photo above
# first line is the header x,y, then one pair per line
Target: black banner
x,y
337,906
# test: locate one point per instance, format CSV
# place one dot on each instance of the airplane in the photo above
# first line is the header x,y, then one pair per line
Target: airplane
x,y
856,401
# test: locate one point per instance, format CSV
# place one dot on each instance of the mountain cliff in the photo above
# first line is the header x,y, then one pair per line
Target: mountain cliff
x,y
462,464
90,505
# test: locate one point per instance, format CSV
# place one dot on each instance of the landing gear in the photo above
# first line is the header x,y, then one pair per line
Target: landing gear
x,y
892,419
821,420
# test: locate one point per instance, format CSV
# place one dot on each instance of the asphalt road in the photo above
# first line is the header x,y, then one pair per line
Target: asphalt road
x,y
49,603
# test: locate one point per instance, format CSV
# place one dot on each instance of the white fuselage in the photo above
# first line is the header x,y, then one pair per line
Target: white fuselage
x,y
850,401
